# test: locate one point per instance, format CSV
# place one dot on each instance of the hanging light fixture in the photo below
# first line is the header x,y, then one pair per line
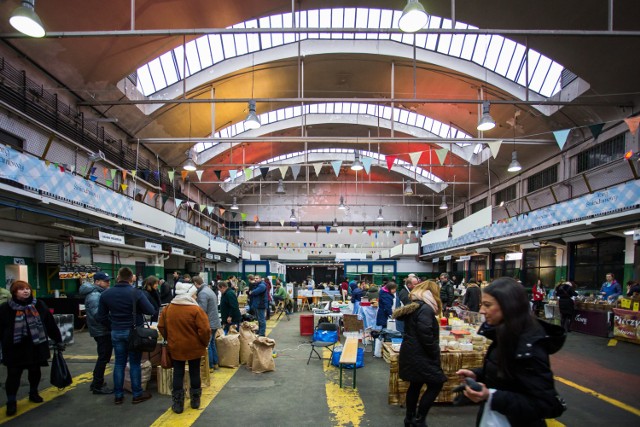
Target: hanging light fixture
x,y
298,230
443,205
190,164
413,18
380,217
486,122
514,166
335,222
407,189
234,205
342,206
252,121
292,218
258,224
280,189
357,164
410,225
25,19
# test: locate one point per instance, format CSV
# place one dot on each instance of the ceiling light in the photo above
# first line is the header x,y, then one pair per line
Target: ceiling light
x,y
252,121
486,122
514,166
298,230
67,227
258,224
189,165
335,222
410,225
357,164
413,17
293,216
25,19
629,232
342,205
443,205
280,189
407,189
380,217
234,205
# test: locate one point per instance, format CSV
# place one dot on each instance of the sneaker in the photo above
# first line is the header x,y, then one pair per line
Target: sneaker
x,y
102,390
119,400
143,397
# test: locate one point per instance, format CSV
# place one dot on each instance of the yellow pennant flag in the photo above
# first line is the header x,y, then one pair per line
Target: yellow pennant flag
x,y
124,187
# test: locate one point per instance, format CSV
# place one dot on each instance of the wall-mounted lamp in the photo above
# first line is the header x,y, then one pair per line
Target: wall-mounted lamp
x,y
380,217
342,206
292,218
413,18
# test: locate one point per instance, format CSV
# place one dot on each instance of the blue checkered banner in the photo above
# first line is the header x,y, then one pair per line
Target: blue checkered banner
x,y
619,198
52,181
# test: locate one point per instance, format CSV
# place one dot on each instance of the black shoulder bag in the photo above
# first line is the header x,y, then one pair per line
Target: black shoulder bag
x,y
141,338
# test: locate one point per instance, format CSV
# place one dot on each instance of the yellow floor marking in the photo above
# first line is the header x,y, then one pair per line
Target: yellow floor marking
x,y
607,399
219,379
612,342
50,393
345,405
80,357
554,423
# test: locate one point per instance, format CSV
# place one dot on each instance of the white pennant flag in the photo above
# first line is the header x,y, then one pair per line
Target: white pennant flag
x,y
442,154
233,173
282,222
283,170
317,167
415,157
295,170
494,147
199,174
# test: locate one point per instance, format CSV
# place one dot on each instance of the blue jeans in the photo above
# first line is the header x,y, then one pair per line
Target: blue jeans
x,y
120,340
213,352
262,322
356,307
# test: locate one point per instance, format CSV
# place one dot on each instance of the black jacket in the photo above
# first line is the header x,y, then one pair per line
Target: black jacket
x,y
446,293
229,307
529,396
154,298
565,301
420,350
26,353
472,297
403,294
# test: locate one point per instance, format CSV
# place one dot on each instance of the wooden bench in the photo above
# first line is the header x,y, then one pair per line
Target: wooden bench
x,y
349,357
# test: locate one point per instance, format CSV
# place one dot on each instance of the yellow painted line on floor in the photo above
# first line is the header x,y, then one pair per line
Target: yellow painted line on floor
x,y
554,423
80,357
345,405
219,379
607,399
48,394
612,342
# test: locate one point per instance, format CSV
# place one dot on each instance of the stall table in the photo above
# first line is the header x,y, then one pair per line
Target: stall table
x,y
593,322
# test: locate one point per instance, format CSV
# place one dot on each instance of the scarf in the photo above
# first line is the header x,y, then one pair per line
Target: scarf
x,y
28,322
426,297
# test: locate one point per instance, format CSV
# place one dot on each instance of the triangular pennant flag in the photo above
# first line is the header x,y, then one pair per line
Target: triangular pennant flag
x,y
369,232
124,187
373,244
184,174
56,166
93,170
633,123
151,195
596,130
390,161
366,162
202,208
171,174
124,174
93,178
163,187
351,231
72,168
243,216
295,170
415,157
561,137
234,214
105,171
61,168
164,199
248,173
222,211
108,182
283,170
442,154
113,173
133,173
47,163
315,227
328,229
218,174
83,169
417,232
317,167
199,174
494,147
210,209
282,222
336,166
192,205
264,171
233,173
178,202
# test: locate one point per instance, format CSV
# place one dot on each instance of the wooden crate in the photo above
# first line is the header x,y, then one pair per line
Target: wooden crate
x,y
165,377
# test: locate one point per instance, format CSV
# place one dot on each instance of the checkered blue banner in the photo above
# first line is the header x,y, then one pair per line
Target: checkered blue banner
x,y
615,199
52,182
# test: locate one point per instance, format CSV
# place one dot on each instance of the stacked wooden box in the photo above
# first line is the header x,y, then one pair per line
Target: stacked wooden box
x,y
165,377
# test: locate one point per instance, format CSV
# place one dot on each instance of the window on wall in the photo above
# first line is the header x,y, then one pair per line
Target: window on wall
x,y
458,215
12,140
501,267
479,205
506,194
478,268
539,263
592,260
605,152
542,179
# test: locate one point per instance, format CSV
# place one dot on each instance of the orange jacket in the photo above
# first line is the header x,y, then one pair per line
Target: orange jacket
x,y
186,329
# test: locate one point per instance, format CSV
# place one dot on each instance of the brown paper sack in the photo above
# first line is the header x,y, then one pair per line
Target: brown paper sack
x,y
262,355
228,347
246,338
146,375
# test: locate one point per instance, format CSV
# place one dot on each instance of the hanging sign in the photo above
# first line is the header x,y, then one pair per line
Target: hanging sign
x,y
110,238
217,257
435,260
153,246
208,255
514,256
177,251
465,258
446,257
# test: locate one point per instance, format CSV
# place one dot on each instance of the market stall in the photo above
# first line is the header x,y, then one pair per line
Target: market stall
x,y
593,318
626,325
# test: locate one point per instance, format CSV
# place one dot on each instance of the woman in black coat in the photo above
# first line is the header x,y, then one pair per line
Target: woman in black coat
x,y
472,296
419,361
152,294
25,328
566,303
516,367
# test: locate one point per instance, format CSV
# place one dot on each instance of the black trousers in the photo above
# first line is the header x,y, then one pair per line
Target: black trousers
x,y
13,379
429,396
105,349
178,373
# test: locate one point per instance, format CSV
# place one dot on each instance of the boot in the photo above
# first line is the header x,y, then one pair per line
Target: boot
x,y
12,408
408,419
177,396
35,397
195,397
420,421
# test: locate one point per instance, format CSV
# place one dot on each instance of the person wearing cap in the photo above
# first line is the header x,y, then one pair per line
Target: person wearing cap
x,y
99,332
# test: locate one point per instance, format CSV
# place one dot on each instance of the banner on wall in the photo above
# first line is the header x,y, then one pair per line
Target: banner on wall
x,y
626,325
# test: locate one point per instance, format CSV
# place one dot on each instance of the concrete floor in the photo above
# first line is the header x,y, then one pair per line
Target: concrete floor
x,y
297,394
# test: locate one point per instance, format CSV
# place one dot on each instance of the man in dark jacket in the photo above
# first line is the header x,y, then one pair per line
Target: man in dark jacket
x,y
446,291
473,296
404,292
229,310
100,333
116,310
258,303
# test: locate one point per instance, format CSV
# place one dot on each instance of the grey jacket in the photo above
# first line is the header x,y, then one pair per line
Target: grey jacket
x,y
208,301
91,295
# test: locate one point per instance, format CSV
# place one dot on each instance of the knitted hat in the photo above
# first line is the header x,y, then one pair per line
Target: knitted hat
x,y
185,288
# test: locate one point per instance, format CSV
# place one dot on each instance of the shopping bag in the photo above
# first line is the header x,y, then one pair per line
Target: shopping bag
x,y
325,336
165,358
143,338
60,375
491,418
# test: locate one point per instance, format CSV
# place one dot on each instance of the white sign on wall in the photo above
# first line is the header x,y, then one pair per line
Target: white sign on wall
x,y
177,251
110,238
514,256
153,246
446,257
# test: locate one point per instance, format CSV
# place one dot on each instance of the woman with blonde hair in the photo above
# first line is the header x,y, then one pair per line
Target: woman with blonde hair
x,y
420,350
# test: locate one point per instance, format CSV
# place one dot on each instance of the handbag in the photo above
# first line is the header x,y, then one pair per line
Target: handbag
x,y
141,338
491,418
165,357
60,375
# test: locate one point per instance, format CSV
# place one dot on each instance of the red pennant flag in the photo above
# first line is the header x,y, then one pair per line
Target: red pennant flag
x,y
222,211
390,161
351,231
633,123
369,231
105,171
151,195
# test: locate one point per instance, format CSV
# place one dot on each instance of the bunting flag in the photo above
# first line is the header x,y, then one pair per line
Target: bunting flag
x,y
233,173
442,154
248,173
339,230
328,229
317,167
171,174
72,168
105,171
191,205
417,233
282,222
336,164
315,227
47,163
222,211
151,195
390,161
243,216
415,157
561,137
163,187
156,174
199,174
234,215
133,174
351,231
82,170
264,171
178,202
184,174
124,175
387,232
494,147
366,162
295,170
218,174
93,170
369,232
283,170
164,199
124,187
373,244
210,209
376,235
202,208
93,178
633,123
61,168
108,182
596,129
